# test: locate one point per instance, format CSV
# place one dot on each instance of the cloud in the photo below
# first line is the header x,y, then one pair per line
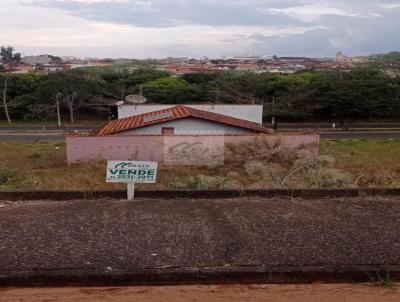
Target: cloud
x,y
142,28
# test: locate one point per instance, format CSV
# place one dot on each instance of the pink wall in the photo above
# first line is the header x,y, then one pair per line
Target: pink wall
x,y
151,147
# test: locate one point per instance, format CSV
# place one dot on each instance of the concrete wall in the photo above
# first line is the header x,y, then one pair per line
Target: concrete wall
x,y
253,113
189,126
151,148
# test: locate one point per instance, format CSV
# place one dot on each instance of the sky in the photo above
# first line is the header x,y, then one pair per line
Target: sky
x,y
194,28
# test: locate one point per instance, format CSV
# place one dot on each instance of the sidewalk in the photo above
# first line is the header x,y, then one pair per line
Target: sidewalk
x,y
246,239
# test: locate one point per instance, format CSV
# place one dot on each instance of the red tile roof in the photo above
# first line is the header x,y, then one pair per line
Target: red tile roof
x,y
175,113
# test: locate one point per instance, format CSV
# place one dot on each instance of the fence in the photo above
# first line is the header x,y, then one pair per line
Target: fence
x,y
203,149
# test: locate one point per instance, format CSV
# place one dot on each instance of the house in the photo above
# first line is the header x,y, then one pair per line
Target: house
x,y
18,68
181,120
178,135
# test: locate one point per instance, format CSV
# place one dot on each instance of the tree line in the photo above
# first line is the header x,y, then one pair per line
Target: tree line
x,y
369,91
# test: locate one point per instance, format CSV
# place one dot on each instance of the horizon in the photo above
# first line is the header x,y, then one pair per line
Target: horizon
x,y
154,29
221,57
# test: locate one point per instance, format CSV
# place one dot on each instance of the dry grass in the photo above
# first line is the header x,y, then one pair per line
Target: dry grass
x,y
373,163
42,166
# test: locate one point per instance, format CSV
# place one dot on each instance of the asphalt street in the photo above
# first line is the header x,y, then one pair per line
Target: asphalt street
x,y
82,237
323,135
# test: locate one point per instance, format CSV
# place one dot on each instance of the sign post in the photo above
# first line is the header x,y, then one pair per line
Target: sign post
x,y
131,172
131,190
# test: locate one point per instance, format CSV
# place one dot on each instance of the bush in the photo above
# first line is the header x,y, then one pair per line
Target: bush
x,y
260,165
204,182
12,178
302,173
7,175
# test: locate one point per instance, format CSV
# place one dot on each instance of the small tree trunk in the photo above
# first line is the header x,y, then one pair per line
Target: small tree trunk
x,y
5,100
71,112
58,111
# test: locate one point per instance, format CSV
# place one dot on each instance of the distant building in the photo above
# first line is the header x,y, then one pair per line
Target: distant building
x,y
18,68
360,60
37,60
342,58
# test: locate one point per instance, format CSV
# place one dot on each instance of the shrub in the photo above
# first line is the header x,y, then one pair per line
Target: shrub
x,y
14,179
7,175
202,182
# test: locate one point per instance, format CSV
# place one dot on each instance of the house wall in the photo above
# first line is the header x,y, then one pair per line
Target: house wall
x,y
252,113
152,147
189,126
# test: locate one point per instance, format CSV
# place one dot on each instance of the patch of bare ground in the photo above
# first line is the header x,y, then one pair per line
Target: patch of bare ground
x,y
218,293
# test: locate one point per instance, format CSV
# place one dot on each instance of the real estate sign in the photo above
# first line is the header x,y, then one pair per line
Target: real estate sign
x,y
131,171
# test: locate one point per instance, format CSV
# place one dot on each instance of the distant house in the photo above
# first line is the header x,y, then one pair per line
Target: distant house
x,y
18,68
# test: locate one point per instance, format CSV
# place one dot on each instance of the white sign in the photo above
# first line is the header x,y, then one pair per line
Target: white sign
x,y
132,171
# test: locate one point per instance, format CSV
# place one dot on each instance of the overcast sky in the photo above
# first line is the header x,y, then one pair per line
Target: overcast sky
x,y
160,28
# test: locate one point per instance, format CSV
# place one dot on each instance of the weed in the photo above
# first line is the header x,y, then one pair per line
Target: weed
x,y
379,281
34,155
6,175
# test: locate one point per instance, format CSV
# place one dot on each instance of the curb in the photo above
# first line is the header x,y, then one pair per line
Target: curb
x,y
207,194
198,275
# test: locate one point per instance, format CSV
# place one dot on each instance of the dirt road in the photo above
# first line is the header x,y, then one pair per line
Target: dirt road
x,y
217,293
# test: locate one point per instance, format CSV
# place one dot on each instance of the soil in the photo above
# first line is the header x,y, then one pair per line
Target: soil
x,y
217,293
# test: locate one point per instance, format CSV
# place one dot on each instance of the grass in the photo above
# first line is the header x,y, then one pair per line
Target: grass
x,y
373,163
42,166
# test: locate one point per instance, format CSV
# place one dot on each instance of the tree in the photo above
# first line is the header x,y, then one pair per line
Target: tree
x,y
172,90
118,82
362,93
389,63
8,56
74,88
4,88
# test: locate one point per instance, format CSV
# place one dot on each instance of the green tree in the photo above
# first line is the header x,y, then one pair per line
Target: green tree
x,y
8,56
172,90
362,93
75,89
389,63
119,82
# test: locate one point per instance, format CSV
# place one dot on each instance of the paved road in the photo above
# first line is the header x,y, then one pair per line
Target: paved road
x,y
360,135
329,125
31,138
82,237
41,128
298,126
324,136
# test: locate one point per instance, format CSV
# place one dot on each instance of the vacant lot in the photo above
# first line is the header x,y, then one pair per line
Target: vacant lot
x,y
217,293
374,163
365,163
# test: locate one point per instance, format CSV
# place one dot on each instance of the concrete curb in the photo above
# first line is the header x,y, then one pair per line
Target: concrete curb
x,y
208,194
198,275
